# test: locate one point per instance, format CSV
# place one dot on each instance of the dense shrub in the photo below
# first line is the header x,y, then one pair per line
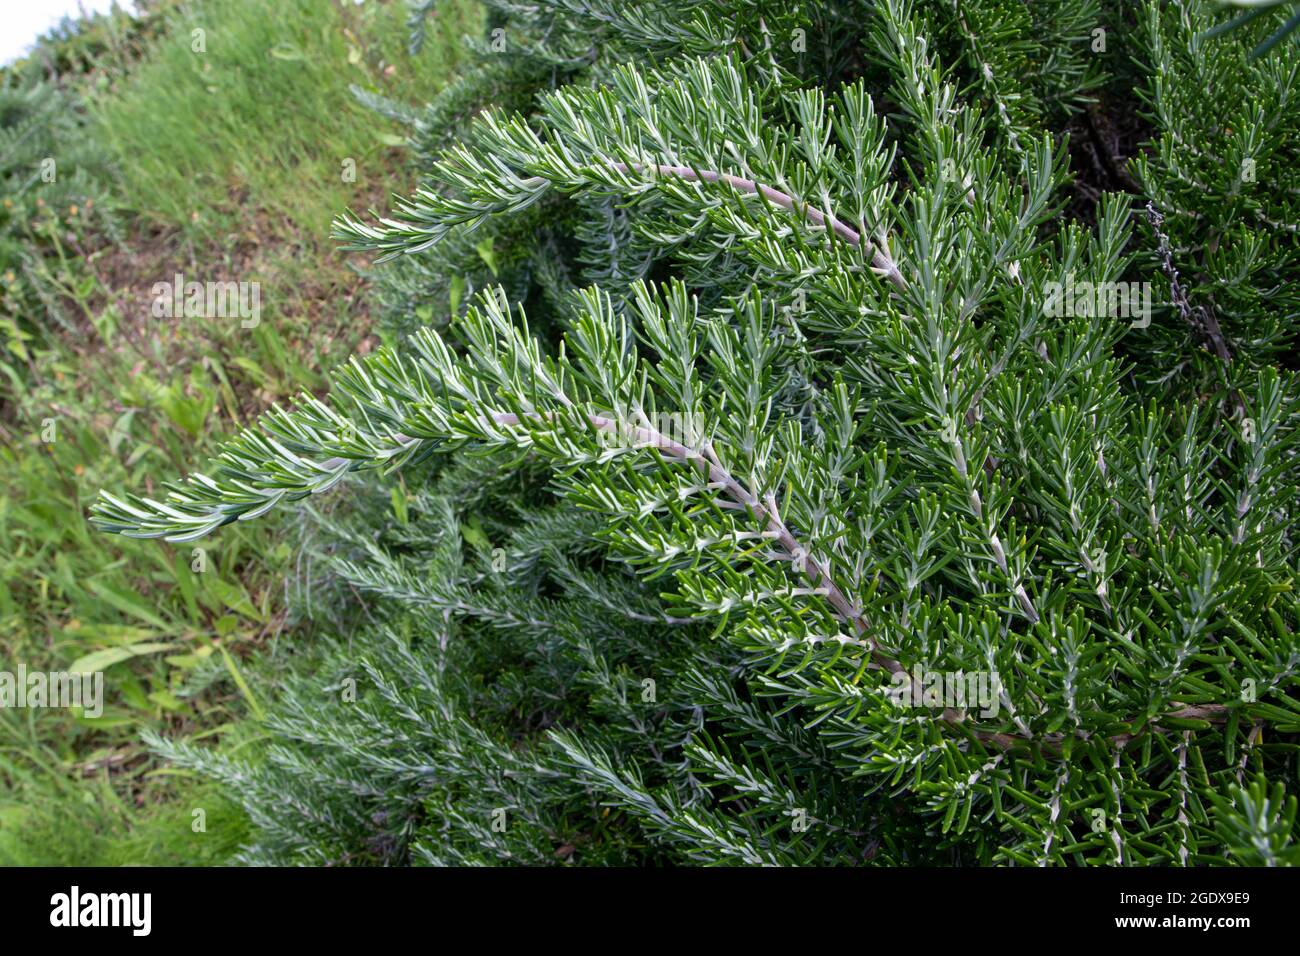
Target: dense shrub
x,y
846,503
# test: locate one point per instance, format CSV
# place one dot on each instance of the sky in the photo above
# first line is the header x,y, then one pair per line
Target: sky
x,y
22,21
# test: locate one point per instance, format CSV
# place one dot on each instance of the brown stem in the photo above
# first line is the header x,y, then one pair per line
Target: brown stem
x,y
1200,319
880,259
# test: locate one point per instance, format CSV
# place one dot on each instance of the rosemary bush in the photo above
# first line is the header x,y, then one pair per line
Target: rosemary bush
x,y
847,500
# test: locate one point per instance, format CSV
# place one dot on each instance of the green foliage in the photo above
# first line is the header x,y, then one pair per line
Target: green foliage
x,y
88,48
822,429
1256,10
247,100
1219,174
450,664
96,391
1256,822
51,818
1031,63
55,183
58,181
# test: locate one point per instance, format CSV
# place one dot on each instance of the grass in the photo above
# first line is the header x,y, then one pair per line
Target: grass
x,y
263,112
230,168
